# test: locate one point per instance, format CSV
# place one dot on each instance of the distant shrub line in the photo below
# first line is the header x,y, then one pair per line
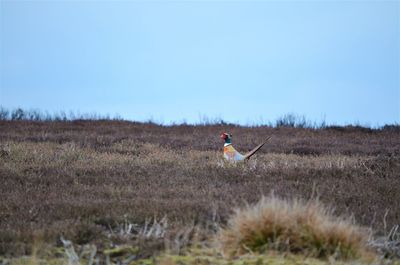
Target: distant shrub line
x,y
289,120
19,114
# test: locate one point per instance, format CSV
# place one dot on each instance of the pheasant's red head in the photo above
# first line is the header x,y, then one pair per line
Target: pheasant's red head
x,y
225,136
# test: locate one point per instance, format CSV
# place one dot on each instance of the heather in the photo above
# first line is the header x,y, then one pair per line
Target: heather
x,y
85,179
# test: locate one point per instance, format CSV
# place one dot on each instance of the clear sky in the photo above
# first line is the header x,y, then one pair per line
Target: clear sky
x,y
243,61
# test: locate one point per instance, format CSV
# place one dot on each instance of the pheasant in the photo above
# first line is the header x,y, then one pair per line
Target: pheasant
x,y
231,154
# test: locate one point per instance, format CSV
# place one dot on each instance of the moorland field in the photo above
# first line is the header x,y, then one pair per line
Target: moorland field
x,y
83,179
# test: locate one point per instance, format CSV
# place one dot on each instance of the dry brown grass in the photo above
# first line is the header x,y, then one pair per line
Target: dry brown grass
x,y
81,178
294,226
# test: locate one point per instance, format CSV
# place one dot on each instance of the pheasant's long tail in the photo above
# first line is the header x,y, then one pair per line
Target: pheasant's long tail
x,y
258,147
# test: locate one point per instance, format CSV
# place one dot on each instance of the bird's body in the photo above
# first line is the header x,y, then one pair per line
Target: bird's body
x,y
232,155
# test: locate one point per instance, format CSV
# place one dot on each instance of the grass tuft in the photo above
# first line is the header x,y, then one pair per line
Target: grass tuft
x,y
292,225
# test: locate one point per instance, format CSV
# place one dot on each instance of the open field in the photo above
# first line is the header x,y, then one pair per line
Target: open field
x,y
82,179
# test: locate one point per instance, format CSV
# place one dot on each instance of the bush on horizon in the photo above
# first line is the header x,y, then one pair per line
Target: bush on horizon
x,y
289,120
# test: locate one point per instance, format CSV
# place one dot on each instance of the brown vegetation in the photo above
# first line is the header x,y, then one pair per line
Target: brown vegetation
x,y
83,178
293,226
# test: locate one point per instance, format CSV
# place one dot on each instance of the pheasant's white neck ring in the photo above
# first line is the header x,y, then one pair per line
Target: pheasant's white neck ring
x,y
226,144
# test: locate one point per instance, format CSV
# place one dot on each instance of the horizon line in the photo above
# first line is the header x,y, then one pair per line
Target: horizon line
x,y
289,119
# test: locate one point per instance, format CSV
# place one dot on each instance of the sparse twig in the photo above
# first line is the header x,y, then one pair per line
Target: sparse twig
x,y
73,258
389,245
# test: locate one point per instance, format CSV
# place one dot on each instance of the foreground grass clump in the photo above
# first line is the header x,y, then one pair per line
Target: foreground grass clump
x,y
294,226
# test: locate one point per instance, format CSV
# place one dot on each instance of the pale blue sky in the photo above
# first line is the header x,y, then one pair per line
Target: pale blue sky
x,y
243,61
